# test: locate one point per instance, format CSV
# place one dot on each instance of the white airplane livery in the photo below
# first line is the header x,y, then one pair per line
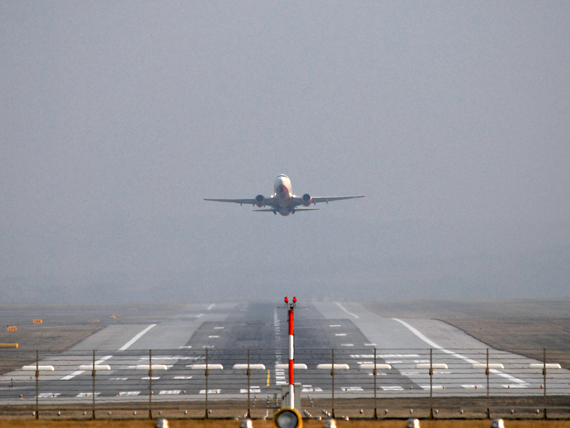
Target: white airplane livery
x,y
283,201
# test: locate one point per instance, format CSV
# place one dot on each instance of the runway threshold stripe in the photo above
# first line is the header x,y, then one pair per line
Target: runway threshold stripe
x,y
137,337
344,309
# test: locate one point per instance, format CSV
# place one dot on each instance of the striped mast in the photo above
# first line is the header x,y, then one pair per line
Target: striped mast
x,y
291,307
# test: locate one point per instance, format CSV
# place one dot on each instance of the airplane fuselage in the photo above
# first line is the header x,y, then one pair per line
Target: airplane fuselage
x,y
283,195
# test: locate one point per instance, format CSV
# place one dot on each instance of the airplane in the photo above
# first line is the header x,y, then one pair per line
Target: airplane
x,y
283,201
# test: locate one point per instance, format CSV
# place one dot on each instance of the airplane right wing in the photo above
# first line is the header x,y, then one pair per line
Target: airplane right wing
x,y
327,199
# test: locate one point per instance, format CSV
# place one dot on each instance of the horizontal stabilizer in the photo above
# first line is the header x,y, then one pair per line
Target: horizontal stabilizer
x,y
270,210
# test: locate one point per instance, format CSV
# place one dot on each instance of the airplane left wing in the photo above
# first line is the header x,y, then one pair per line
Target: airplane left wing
x,y
242,201
235,201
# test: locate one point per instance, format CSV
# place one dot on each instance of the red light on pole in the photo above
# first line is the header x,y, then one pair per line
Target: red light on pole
x,y
294,300
286,300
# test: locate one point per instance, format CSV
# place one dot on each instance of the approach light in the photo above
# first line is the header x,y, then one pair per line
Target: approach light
x,y
294,300
287,418
286,300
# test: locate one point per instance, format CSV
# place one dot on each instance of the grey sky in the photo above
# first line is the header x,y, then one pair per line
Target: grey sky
x,y
117,118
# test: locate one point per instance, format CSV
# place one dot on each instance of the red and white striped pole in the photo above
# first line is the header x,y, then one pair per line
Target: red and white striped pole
x,y
291,352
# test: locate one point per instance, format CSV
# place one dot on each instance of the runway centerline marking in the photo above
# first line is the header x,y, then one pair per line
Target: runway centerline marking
x,y
344,309
455,354
137,337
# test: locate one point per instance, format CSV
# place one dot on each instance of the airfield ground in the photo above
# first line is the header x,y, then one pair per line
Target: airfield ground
x,y
173,423
522,326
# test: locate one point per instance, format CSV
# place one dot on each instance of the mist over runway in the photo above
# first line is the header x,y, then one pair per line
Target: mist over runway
x,y
225,336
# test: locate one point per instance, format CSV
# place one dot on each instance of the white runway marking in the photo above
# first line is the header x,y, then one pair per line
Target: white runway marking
x,y
49,394
310,389
344,309
86,394
137,337
352,389
182,377
72,375
128,393
170,392
77,373
211,391
340,334
473,386
253,390
211,306
392,388
455,354
347,344
434,387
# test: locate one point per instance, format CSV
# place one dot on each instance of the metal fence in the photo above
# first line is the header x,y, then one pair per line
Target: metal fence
x,y
368,383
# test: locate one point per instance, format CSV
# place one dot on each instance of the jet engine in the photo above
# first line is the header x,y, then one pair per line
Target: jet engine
x,y
260,201
307,200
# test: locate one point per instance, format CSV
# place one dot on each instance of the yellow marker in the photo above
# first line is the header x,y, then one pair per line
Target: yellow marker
x,y
9,345
114,316
93,321
12,328
268,376
38,321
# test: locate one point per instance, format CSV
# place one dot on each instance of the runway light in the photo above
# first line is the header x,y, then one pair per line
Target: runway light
x,y
497,423
246,423
288,418
330,423
413,423
162,423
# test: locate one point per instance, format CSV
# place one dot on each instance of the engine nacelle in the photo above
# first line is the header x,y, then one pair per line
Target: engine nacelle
x,y
260,201
307,200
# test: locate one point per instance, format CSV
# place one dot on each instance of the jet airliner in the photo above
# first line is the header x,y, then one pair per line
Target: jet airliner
x,y
283,201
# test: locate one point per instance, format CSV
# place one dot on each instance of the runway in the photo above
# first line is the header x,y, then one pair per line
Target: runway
x,y
224,335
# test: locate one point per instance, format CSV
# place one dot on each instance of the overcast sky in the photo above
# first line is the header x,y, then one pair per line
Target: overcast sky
x,y
118,118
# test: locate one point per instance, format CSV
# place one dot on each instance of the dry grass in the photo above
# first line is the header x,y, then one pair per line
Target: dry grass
x,y
54,339
269,424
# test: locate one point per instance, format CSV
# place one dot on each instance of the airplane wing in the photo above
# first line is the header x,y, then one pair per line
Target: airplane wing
x,y
327,199
268,201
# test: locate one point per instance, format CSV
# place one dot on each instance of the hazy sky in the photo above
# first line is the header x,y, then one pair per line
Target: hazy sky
x,y
118,118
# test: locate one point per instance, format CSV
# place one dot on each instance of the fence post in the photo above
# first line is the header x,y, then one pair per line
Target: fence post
x,y
375,372
487,373
544,376
150,383
37,384
93,374
248,386
332,376
431,383
206,374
